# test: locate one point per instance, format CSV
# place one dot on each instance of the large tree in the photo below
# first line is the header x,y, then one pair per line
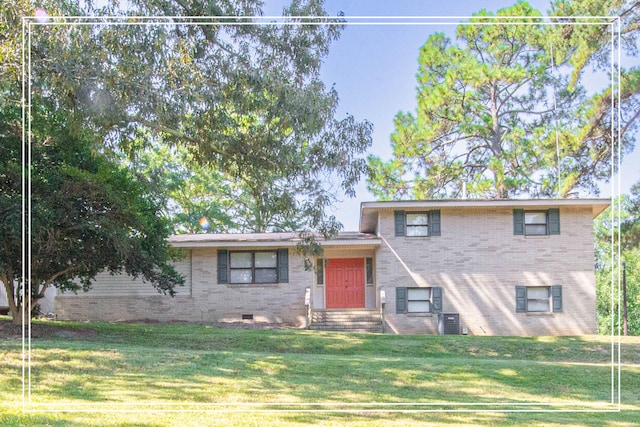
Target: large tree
x,y
501,113
86,215
623,223
485,113
589,50
245,99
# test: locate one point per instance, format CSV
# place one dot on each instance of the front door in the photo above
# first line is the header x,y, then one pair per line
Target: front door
x,y
345,283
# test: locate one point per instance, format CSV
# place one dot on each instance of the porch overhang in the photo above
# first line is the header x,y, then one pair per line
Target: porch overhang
x,y
270,240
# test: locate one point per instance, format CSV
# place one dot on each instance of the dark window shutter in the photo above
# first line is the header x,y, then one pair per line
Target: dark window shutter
x,y
556,295
401,300
521,299
518,221
320,271
434,223
554,221
369,270
437,299
399,222
283,265
223,267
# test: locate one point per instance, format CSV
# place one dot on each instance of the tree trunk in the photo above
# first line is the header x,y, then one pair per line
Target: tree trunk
x,y
14,309
496,144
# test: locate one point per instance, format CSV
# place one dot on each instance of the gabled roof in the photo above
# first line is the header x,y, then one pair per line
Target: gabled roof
x,y
369,210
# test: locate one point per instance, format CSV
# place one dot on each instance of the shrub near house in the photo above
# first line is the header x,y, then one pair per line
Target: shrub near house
x,y
506,267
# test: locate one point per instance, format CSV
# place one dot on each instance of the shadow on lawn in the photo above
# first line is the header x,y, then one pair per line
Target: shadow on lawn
x,y
209,377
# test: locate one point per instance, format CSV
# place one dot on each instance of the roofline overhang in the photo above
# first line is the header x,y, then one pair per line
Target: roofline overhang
x,y
598,205
367,243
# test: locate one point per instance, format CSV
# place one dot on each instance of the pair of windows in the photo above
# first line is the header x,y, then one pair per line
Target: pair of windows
x,y
529,299
528,223
536,223
417,224
419,300
539,299
248,267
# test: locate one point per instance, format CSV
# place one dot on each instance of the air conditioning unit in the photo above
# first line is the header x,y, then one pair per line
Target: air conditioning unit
x,y
448,323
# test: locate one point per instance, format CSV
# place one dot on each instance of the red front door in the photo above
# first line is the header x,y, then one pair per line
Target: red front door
x,y
345,283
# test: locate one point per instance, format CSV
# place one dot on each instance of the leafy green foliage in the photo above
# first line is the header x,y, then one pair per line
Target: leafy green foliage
x,y
503,113
86,214
246,101
608,293
483,114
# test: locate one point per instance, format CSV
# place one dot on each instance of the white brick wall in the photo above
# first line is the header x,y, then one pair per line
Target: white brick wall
x,y
201,299
478,261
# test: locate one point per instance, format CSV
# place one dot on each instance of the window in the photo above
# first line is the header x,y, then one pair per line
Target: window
x,y
253,267
320,271
369,271
247,267
417,224
539,299
418,300
536,223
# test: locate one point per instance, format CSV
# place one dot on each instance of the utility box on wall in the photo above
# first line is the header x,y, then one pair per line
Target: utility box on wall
x,y
448,323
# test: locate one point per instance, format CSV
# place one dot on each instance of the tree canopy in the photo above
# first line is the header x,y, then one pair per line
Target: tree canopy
x,y
502,112
246,100
86,215
248,128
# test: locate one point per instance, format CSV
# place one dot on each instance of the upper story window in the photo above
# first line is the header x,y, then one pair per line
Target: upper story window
x,y
417,224
536,222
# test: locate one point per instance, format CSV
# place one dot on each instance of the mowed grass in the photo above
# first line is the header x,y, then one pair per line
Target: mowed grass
x,y
108,374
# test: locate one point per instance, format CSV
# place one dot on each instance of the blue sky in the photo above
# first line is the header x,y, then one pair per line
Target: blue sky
x,y
373,68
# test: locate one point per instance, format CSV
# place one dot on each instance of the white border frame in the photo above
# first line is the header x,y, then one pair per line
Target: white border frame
x,y
29,21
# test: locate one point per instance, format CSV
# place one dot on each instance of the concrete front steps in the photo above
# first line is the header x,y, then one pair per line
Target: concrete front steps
x,y
346,320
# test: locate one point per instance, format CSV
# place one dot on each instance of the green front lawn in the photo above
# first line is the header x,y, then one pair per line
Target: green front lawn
x,y
95,374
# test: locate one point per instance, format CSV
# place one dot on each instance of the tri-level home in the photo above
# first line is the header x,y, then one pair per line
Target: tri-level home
x,y
481,267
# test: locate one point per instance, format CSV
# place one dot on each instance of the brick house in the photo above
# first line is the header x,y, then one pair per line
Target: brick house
x,y
481,267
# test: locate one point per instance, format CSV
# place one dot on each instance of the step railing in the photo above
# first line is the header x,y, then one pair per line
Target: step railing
x,y
307,303
383,302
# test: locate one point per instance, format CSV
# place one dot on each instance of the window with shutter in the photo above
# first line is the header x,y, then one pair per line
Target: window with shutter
x,y
539,299
253,267
556,296
401,300
418,300
554,221
434,222
417,224
399,221
437,299
223,257
283,265
518,221
521,299
536,223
